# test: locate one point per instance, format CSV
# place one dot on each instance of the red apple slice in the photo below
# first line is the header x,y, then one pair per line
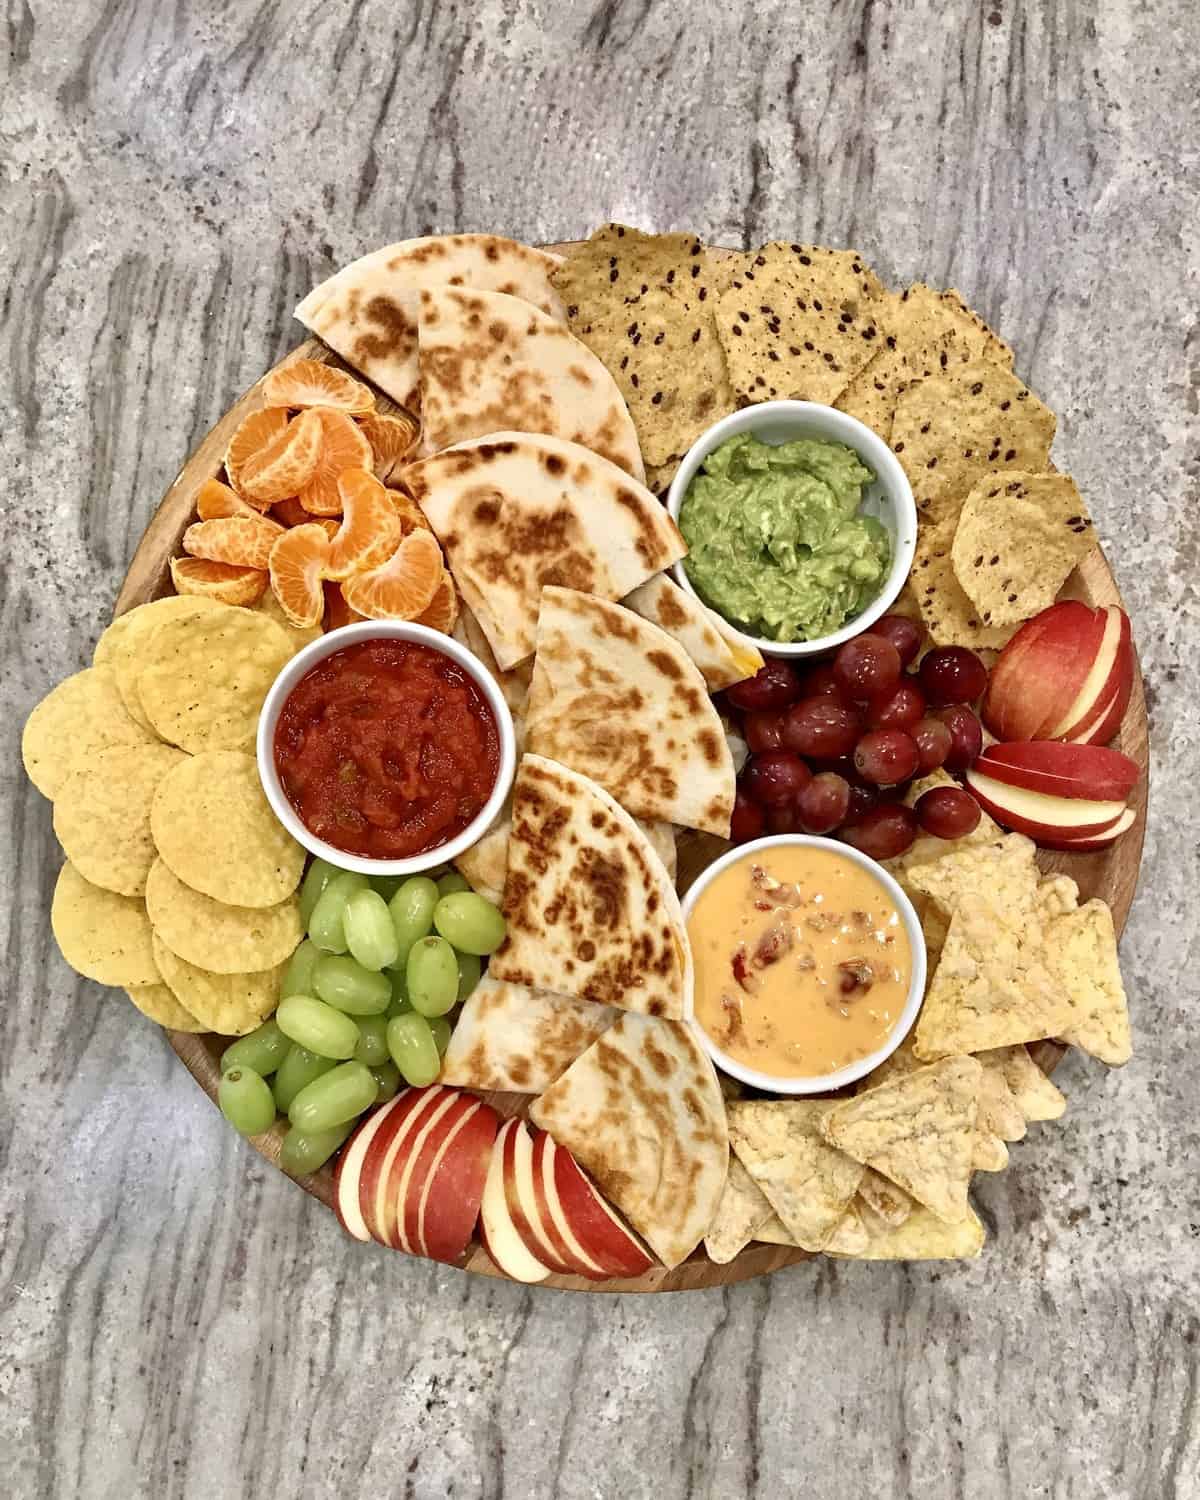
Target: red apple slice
x,y
347,1175
1061,769
1041,670
1039,815
378,1209
1112,664
497,1231
406,1180
530,1213
1098,841
1107,721
583,1217
449,1204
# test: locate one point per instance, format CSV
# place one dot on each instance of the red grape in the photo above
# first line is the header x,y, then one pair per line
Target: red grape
x,y
898,710
820,682
774,685
823,803
933,741
825,727
966,737
905,634
886,757
785,819
747,821
884,832
763,729
862,799
952,674
947,812
866,667
774,777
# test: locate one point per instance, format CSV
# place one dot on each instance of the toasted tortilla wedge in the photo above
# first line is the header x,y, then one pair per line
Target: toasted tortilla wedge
x,y
743,1210
511,1037
707,639
591,909
367,311
491,363
618,699
642,1112
515,511
923,1236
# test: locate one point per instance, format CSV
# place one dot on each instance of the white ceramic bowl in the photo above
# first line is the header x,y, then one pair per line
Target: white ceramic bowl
x,y
889,499
825,1083
337,640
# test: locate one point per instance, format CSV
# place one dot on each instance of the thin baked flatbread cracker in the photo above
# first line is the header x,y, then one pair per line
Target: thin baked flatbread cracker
x,y
1081,952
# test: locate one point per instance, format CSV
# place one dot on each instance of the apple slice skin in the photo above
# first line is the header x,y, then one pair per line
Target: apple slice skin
x,y
530,1213
376,1202
347,1175
454,1191
594,1224
1108,721
1098,727
986,791
411,1164
1062,770
497,1232
1113,662
1099,841
1040,672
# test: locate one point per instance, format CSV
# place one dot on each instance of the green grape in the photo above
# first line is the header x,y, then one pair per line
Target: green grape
x,y
432,976
334,1098
387,885
442,1032
326,925
320,873
470,922
414,1050
400,1002
469,970
387,1081
262,1050
370,933
412,914
297,1071
303,1152
452,882
297,977
317,1026
372,1040
245,1100
346,985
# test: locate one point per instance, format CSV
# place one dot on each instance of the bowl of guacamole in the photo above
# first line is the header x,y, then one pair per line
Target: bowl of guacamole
x,y
799,522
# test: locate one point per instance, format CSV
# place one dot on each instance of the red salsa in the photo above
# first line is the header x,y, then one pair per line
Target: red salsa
x,y
387,749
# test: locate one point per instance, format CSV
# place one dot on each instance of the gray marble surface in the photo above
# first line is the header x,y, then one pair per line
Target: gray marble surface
x,y
178,1320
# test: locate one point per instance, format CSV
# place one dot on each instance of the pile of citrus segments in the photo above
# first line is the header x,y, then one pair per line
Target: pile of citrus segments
x,y
307,511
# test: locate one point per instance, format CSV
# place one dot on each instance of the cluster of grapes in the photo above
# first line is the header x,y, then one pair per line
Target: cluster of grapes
x,y
834,745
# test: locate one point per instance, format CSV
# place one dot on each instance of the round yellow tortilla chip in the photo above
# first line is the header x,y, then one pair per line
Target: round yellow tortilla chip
x,y
215,830
231,1004
123,644
223,939
81,716
102,815
102,936
204,677
158,1003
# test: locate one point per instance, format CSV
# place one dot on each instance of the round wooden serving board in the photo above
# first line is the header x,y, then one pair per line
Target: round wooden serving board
x,y
1111,874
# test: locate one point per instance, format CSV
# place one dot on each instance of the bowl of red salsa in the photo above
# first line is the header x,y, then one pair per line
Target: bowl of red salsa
x,y
386,748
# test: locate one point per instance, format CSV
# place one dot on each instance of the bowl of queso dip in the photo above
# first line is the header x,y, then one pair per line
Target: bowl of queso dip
x,y
810,963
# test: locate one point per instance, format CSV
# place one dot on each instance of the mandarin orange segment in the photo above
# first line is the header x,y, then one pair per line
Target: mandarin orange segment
x,y
310,382
343,447
412,517
391,439
330,525
297,562
290,512
235,540
255,432
442,611
337,611
404,586
286,464
370,531
214,580
217,502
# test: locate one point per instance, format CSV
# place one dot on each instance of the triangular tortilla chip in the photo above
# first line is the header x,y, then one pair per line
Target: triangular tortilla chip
x,y
923,1236
1031,1091
918,1130
989,1153
891,1203
809,1183
741,1213
1057,895
1003,871
712,645
849,1236
1081,951
774,1231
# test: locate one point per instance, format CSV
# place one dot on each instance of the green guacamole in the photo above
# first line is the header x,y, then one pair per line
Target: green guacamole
x,y
774,541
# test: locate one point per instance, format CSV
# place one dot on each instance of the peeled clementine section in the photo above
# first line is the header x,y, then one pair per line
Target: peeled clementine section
x,y
404,586
442,610
214,580
217,502
286,464
370,531
342,447
258,429
337,611
391,439
237,540
297,561
290,512
412,517
309,382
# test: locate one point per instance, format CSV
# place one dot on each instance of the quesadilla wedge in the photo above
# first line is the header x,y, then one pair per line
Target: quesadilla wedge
x,y
620,700
591,910
511,1037
515,511
716,649
489,361
641,1111
367,311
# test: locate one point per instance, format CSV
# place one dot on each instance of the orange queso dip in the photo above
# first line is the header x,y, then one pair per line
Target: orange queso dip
x,y
802,961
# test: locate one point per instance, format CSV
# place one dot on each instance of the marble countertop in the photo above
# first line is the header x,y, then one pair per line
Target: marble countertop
x,y
176,1318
